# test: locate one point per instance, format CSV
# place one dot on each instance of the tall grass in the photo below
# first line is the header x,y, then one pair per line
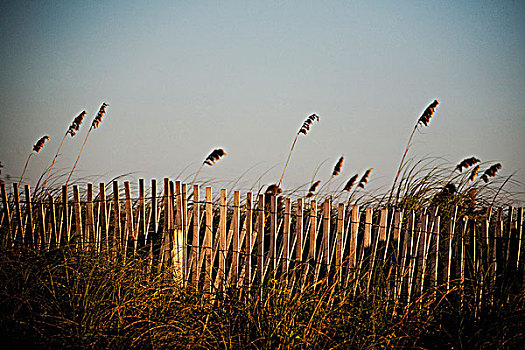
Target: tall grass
x,y
73,300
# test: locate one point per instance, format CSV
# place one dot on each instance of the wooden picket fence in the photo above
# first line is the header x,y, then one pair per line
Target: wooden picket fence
x,y
216,245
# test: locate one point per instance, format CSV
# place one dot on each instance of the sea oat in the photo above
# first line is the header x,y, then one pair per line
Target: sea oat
x,y
100,114
490,172
338,166
273,190
467,163
214,156
364,179
94,125
425,120
428,113
303,130
40,143
36,148
474,173
307,123
351,183
312,189
75,125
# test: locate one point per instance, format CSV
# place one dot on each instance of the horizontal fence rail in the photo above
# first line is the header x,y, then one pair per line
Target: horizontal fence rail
x,y
214,245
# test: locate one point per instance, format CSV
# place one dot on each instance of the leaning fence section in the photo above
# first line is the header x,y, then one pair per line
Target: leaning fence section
x,y
215,243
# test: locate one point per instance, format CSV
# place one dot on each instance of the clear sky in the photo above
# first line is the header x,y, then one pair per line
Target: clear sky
x,y
184,77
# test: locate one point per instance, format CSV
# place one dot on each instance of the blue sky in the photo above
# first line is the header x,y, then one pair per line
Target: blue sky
x,y
184,77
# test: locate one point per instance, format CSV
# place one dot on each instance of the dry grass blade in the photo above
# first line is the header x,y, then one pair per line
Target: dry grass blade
x,y
467,163
338,166
364,179
214,156
491,172
350,183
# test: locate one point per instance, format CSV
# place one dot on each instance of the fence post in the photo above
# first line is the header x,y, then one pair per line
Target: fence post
x,y
339,239
260,239
53,236
103,233
248,241
313,234
286,236
64,224
19,230
272,254
235,224
78,219
326,236
129,235
208,239
521,247
90,220
221,249
117,235
141,237
451,235
194,251
7,215
30,233
154,240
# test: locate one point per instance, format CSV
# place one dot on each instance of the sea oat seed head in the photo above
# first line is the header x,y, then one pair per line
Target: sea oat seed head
x,y
364,179
467,163
338,166
350,183
40,143
214,156
428,113
306,125
474,173
75,125
490,172
312,189
100,114
273,190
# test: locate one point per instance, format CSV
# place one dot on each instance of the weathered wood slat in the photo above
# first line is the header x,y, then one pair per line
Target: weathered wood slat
x,y
90,219
117,235
7,216
235,228
78,237
260,238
